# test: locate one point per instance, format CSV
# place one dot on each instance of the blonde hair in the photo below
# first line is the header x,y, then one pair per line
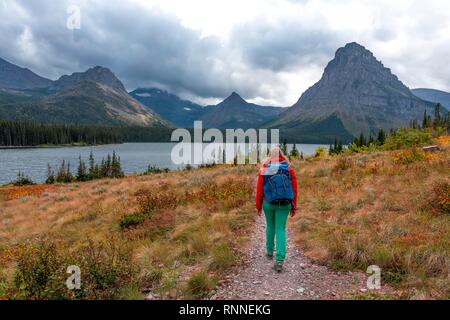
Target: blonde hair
x,y
275,153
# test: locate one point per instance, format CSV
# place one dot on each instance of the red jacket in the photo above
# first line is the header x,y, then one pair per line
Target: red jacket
x,y
259,187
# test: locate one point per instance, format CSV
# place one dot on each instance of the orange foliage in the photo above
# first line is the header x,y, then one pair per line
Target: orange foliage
x,y
443,141
12,193
414,238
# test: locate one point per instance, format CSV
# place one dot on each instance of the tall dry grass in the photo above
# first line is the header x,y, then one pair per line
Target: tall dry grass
x,y
162,234
390,209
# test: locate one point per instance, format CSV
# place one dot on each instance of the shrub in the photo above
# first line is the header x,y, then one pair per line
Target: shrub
x,y
36,267
343,163
22,180
407,137
440,200
151,169
130,220
149,202
41,271
108,267
409,156
320,152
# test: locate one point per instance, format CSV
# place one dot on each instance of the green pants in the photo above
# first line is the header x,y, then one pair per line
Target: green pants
x,y
276,217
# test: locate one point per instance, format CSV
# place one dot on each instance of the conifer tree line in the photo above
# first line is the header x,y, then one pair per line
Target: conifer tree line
x,y
108,168
439,120
26,133
23,133
439,123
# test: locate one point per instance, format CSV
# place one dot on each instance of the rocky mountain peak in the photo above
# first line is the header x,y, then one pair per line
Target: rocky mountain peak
x,y
353,55
97,74
358,93
233,99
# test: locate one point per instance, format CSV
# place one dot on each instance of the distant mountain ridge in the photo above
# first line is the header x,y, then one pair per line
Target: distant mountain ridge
x,y
433,95
355,94
181,113
15,77
235,112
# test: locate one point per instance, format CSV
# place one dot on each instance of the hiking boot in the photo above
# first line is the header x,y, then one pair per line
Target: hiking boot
x,y
278,266
269,256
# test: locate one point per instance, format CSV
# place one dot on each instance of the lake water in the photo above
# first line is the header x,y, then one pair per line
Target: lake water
x,y
135,158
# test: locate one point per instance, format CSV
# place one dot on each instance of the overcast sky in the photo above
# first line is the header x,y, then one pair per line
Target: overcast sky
x,y
268,51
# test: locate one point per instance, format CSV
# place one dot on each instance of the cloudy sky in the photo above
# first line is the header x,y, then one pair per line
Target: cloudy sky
x,y
269,51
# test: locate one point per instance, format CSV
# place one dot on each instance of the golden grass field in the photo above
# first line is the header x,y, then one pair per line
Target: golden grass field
x,y
176,234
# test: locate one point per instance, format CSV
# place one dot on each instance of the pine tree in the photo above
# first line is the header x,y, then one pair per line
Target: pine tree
x,y
50,175
92,170
82,174
437,116
116,169
294,152
284,147
340,147
362,140
381,139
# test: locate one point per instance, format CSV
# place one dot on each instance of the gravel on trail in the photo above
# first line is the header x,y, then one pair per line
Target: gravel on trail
x,y
300,280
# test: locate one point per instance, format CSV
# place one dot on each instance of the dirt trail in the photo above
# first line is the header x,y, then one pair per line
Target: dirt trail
x,y
300,280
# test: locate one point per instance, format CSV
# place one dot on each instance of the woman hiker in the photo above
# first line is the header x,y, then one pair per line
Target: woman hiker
x,y
276,194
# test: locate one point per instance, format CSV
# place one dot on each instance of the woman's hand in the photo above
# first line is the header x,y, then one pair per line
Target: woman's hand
x,y
258,212
293,212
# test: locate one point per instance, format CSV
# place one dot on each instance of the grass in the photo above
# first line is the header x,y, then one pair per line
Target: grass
x,y
175,234
390,209
199,285
131,236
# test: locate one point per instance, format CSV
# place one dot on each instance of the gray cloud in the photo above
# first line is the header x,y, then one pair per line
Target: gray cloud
x,y
284,45
149,47
140,46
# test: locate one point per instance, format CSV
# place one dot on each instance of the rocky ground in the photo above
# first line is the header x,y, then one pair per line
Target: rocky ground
x,y
300,280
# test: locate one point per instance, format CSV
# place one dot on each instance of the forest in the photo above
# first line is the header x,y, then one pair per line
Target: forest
x,y
25,133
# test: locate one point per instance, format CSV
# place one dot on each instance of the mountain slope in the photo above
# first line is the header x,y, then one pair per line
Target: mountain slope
x,y
235,112
180,112
357,91
15,77
434,96
93,97
85,103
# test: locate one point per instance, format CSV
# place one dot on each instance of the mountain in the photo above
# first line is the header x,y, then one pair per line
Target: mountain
x,y
355,94
235,112
15,77
180,112
434,96
97,74
93,97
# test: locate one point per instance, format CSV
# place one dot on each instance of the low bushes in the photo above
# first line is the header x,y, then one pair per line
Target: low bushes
x,y
22,180
439,201
407,137
41,271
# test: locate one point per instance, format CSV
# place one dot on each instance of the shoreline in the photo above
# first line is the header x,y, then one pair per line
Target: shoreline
x,y
56,146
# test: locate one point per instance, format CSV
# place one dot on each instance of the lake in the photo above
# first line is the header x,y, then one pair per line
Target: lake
x,y
135,158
